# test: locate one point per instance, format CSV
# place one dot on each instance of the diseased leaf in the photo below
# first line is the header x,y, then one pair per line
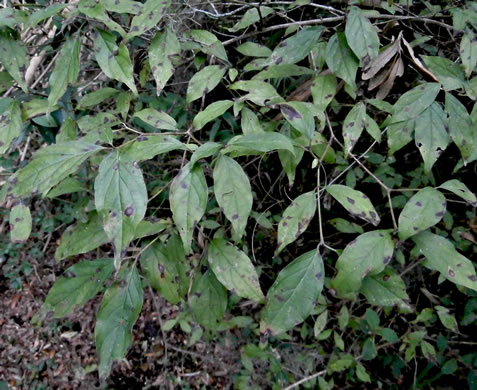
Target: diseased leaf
x,y
300,116
66,70
13,57
164,46
84,280
250,17
296,219
447,72
209,44
157,119
119,310
361,36
67,186
341,60
282,71
234,270
208,300
11,125
468,52
44,13
253,49
211,112
386,289
353,126
323,89
148,228
442,256
188,201
355,202
123,6
259,92
96,10
205,150
149,17
423,210
204,81
415,101
233,193
20,223
249,122
431,134
145,147
259,143
293,295
113,60
399,135
81,238
94,98
461,190
367,255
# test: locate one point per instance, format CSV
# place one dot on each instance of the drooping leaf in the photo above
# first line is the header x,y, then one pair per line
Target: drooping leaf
x,y
250,17
386,289
20,223
293,295
163,47
468,52
145,147
461,190
188,201
413,102
119,310
233,193
11,125
208,300
149,17
447,72
52,164
259,143
442,256
13,57
357,203
212,111
296,219
120,195
94,98
113,60
66,70
157,119
204,81
81,238
341,60
234,270
300,116
367,255
361,36
259,92
431,134
423,210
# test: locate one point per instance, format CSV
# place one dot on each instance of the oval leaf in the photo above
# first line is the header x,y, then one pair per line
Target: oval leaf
x,y
461,190
204,81
361,36
20,223
211,112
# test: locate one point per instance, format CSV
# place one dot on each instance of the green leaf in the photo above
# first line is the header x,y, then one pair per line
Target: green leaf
x,y
300,116
355,202
119,310
461,190
67,186
209,44
461,128
13,57
341,60
233,193
10,17
146,147
447,72
423,210
399,135
344,226
101,121
250,17
442,256
353,126
11,125
96,10
320,323
212,111
259,92
204,81
448,320
81,238
468,53
188,201
44,13
114,61
283,71
293,295
362,374
164,47
149,17
94,98
20,223
361,36
367,255
157,119
253,49
234,270
372,319
51,165
295,48
369,349
205,150
386,289
413,102
66,70
296,219
120,195
122,6
249,122
148,228
259,143
431,134
323,89
208,300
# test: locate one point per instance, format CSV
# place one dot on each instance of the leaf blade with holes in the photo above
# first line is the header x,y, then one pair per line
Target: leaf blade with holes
x,y
233,193
423,210
361,36
442,256
295,219
119,310
11,125
234,270
355,202
367,255
204,81
20,223
188,201
293,295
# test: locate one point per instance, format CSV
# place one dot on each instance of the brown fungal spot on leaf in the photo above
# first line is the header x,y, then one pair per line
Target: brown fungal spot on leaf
x,y
372,214
18,219
129,211
415,228
451,273
290,112
278,61
439,214
162,270
350,200
284,224
116,166
319,275
419,204
280,298
473,278
386,278
289,217
386,259
142,138
135,29
183,184
235,217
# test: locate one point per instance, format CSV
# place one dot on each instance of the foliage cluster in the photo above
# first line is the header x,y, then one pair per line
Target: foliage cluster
x,y
294,170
